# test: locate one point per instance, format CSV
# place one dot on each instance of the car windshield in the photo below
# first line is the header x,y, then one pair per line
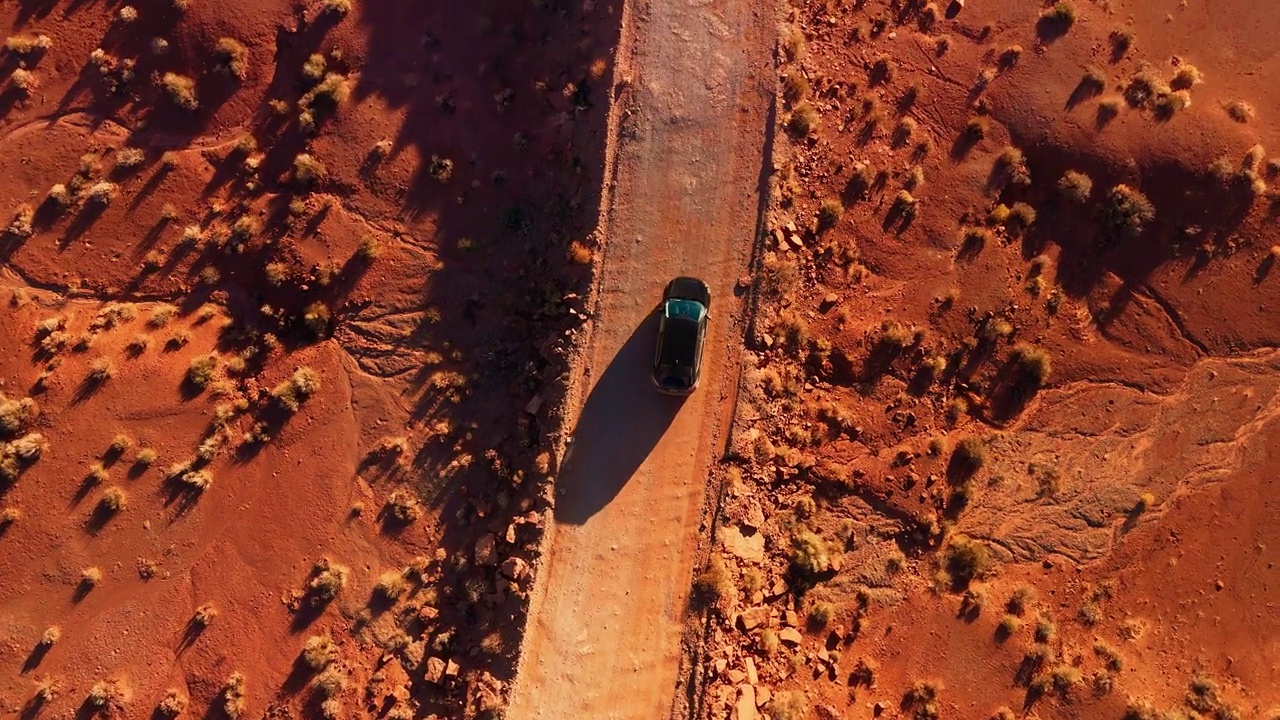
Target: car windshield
x,y
687,309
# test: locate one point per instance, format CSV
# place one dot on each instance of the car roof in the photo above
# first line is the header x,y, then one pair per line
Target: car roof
x,y
679,342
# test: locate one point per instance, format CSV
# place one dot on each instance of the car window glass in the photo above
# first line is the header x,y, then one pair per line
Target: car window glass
x,y
688,309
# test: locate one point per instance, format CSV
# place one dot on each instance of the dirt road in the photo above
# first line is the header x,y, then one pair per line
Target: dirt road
x,y
604,632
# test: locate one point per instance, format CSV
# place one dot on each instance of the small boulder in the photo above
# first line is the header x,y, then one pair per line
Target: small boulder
x,y
790,636
435,670
487,550
752,618
745,708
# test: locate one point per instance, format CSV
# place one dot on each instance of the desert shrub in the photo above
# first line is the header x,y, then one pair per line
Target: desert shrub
x,y
103,693
27,44
297,389
114,499
713,583
1020,599
792,42
1045,629
205,614
964,560
1127,212
404,506
16,413
809,557
1240,111
975,129
902,133
820,614
181,90
789,705
59,195
200,371
307,170
127,14
1108,108
369,248
233,695
1121,41
1112,657
1059,18
1144,89
315,318
1064,677
969,456
51,635
9,516
318,652
173,704
1009,625
1021,217
795,86
1033,363
129,158
231,57
1009,57
1173,102
1186,77
101,193
1011,166
325,97
90,577
883,70
328,581
336,7
829,213
803,120
330,682
1075,186
391,585
441,168
922,699
101,370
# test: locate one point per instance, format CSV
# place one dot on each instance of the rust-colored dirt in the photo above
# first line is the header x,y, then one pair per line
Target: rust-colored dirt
x,y
1132,488
434,344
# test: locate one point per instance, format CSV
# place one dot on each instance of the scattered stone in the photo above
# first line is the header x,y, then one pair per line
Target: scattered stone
x,y
720,665
513,568
534,405
736,676
435,670
790,636
486,550
779,588
828,302
748,546
451,670
763,695
790,618
752,676
755,516
753,618
878,709
745,708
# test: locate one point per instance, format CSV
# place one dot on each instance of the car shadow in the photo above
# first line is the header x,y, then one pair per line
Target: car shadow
x,y
621,423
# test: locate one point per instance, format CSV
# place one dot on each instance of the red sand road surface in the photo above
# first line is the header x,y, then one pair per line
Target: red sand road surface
x,y
604,636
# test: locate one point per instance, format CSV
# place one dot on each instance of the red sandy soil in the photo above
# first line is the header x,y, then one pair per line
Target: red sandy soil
x,y
1133,490
441,339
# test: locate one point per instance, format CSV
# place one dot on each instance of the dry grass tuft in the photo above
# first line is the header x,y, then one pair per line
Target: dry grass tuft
x,y
233,696
318,652
181,90
1186,77
1075,186
1240,111
231,57
1127,212
391,585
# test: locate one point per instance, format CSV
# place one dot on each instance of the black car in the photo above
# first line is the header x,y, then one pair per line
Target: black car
x,y
682,329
